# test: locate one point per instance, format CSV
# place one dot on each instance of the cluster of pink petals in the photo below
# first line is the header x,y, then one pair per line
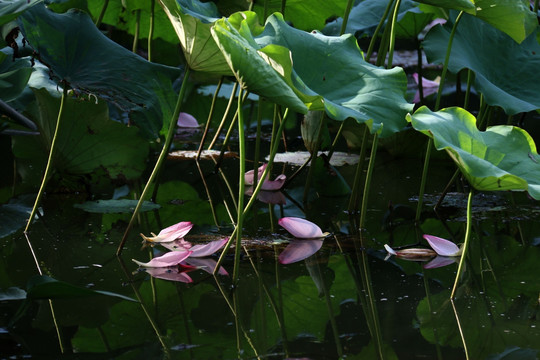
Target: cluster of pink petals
x,y
171,233
268,185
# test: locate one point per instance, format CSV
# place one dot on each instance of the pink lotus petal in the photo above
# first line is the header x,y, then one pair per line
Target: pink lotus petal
x,y
208,249
206,264
168,259
186,120
428,87
440,261
249,175
272,197
299,250
301,228
442,246
177,245
169,273
274,184
171,233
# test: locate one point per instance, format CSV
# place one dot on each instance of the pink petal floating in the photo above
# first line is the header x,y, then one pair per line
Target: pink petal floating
x,y
249,176
207,249
299,250
206,264
440,261
273,185
442,246
170,273
177,245
301,228
186,120
168,259
171,233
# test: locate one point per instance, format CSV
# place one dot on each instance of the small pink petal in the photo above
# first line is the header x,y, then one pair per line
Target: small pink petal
x,y
299,250
440,261
168,259
272,197
301,228
442,246
249,175
170,273
171,233
187,121
274,184
206,264
208,249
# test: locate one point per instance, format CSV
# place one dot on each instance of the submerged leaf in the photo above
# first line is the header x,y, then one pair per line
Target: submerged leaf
x,y
500,158
115,206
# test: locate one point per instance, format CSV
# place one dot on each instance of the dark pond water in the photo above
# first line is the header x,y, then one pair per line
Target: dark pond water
x,y
345,301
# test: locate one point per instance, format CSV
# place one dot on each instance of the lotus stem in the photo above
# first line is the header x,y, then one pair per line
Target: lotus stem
x,y
393,36
420,70
460,330
15,115
256,190
210,114
257,155
465,245
377,30
50,160
437,104
102,13
468,91
353,200
161,158
222,123
346,17
334,143
241,182
151,29
137,27
367,184
314,157
283,5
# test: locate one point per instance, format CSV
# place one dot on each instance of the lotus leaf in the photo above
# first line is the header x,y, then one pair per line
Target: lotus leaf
x,y
88,141
115,206
500,158
506,72
311,71
77,52
14,76
9,10
192,21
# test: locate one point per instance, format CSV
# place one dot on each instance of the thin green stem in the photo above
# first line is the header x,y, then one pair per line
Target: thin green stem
x,y
378,29
346,17
257,189
161,158
468,91
353,200
283,5
437,104
241,181
210,114
151,29
49,167
367,185
225,114
137,27
393,35
102,13
465,244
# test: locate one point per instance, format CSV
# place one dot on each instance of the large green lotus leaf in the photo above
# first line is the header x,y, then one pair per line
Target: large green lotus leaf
x,y
506,72
14,76
304,15
87,140
365,15
9,10
500,158
192,21
77,52
510,16
122,15
289,66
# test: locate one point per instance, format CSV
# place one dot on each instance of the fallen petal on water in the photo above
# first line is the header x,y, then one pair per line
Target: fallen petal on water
x,y
442,246
168,259
299,250
301,228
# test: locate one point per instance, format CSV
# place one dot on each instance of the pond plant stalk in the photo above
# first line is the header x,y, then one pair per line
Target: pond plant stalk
x,y
465,244
52,153
437,105
160,160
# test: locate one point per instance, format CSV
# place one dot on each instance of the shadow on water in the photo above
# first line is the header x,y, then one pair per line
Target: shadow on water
x,y
345,300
